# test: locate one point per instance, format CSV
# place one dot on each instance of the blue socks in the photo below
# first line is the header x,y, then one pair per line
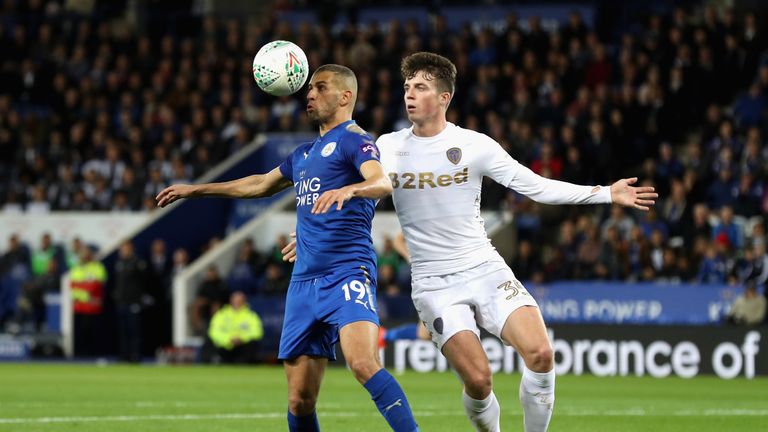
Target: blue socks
x,y
391,402
405,331
388,397
307,423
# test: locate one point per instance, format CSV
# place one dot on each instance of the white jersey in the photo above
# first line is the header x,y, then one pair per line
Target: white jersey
x,y
437,183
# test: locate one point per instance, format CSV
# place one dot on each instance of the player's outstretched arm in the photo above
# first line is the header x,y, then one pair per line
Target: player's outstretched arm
x,y
255,186
641,198
376,186
549,191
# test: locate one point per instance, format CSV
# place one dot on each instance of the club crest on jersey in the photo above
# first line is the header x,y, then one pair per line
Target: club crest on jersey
x,y
454,155
328,149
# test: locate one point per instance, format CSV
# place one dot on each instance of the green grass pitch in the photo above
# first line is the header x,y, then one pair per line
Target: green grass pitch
x,y
83,398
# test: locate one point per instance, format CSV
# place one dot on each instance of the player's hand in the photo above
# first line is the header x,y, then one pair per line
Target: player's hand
x,y
331,197
289,251
401,247
641,198
173,193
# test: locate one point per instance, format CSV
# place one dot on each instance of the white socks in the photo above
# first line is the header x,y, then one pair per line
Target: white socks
x,y
484,414
537,394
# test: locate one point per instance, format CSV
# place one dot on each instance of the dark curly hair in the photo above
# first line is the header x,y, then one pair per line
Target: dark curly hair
x,y
434,66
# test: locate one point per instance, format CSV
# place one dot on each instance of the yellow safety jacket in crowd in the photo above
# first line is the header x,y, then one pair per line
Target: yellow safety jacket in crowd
x,y
87,281
228,323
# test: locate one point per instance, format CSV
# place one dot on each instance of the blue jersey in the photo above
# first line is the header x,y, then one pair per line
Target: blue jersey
x,y
340,240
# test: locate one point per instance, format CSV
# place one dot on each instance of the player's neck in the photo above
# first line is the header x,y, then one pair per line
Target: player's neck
x,y
338,119
429,128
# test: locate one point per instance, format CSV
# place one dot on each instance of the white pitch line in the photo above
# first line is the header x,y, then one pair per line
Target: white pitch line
x,y
154,404
640,412
126,418
273,415
735,412
231,416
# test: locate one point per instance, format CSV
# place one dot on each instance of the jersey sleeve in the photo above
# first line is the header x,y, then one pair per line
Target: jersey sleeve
x,y
286,168
507,171
359,149
497,163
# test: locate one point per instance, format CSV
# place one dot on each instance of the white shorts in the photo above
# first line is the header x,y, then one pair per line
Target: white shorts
x,y
481,296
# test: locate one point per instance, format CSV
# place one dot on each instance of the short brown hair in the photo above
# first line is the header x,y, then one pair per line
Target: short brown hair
x,y
434,66
347,77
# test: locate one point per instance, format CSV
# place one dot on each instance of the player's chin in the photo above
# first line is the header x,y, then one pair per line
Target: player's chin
x,y
316,117
412,116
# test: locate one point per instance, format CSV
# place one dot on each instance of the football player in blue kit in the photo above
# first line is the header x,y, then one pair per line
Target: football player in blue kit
x,y
331,298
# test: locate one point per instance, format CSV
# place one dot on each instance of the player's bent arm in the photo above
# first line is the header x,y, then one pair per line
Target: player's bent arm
x,y
254,186
377,184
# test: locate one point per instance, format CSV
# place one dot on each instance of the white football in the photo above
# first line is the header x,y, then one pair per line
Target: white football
x,y
280,68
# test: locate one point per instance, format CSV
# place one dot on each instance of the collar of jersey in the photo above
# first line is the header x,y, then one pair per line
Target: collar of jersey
x,y
327,134
335,129
448,126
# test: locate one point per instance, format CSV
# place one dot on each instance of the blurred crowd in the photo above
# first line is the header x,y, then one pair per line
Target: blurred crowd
x,y
139,293
94,116
97,115
144,279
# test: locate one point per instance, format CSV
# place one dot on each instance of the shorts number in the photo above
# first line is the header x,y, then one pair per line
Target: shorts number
x,y
361,290
515,286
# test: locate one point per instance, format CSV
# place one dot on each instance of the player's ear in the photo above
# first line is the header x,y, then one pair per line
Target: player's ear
x,y
346,98
445,99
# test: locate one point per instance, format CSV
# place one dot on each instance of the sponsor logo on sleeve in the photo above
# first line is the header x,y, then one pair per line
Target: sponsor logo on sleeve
x,y
369,147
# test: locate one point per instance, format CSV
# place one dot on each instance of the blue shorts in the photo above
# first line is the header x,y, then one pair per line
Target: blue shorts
x,y
316,309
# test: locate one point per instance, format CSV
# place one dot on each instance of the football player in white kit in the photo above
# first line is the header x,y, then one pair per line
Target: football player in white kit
x,y
460,282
